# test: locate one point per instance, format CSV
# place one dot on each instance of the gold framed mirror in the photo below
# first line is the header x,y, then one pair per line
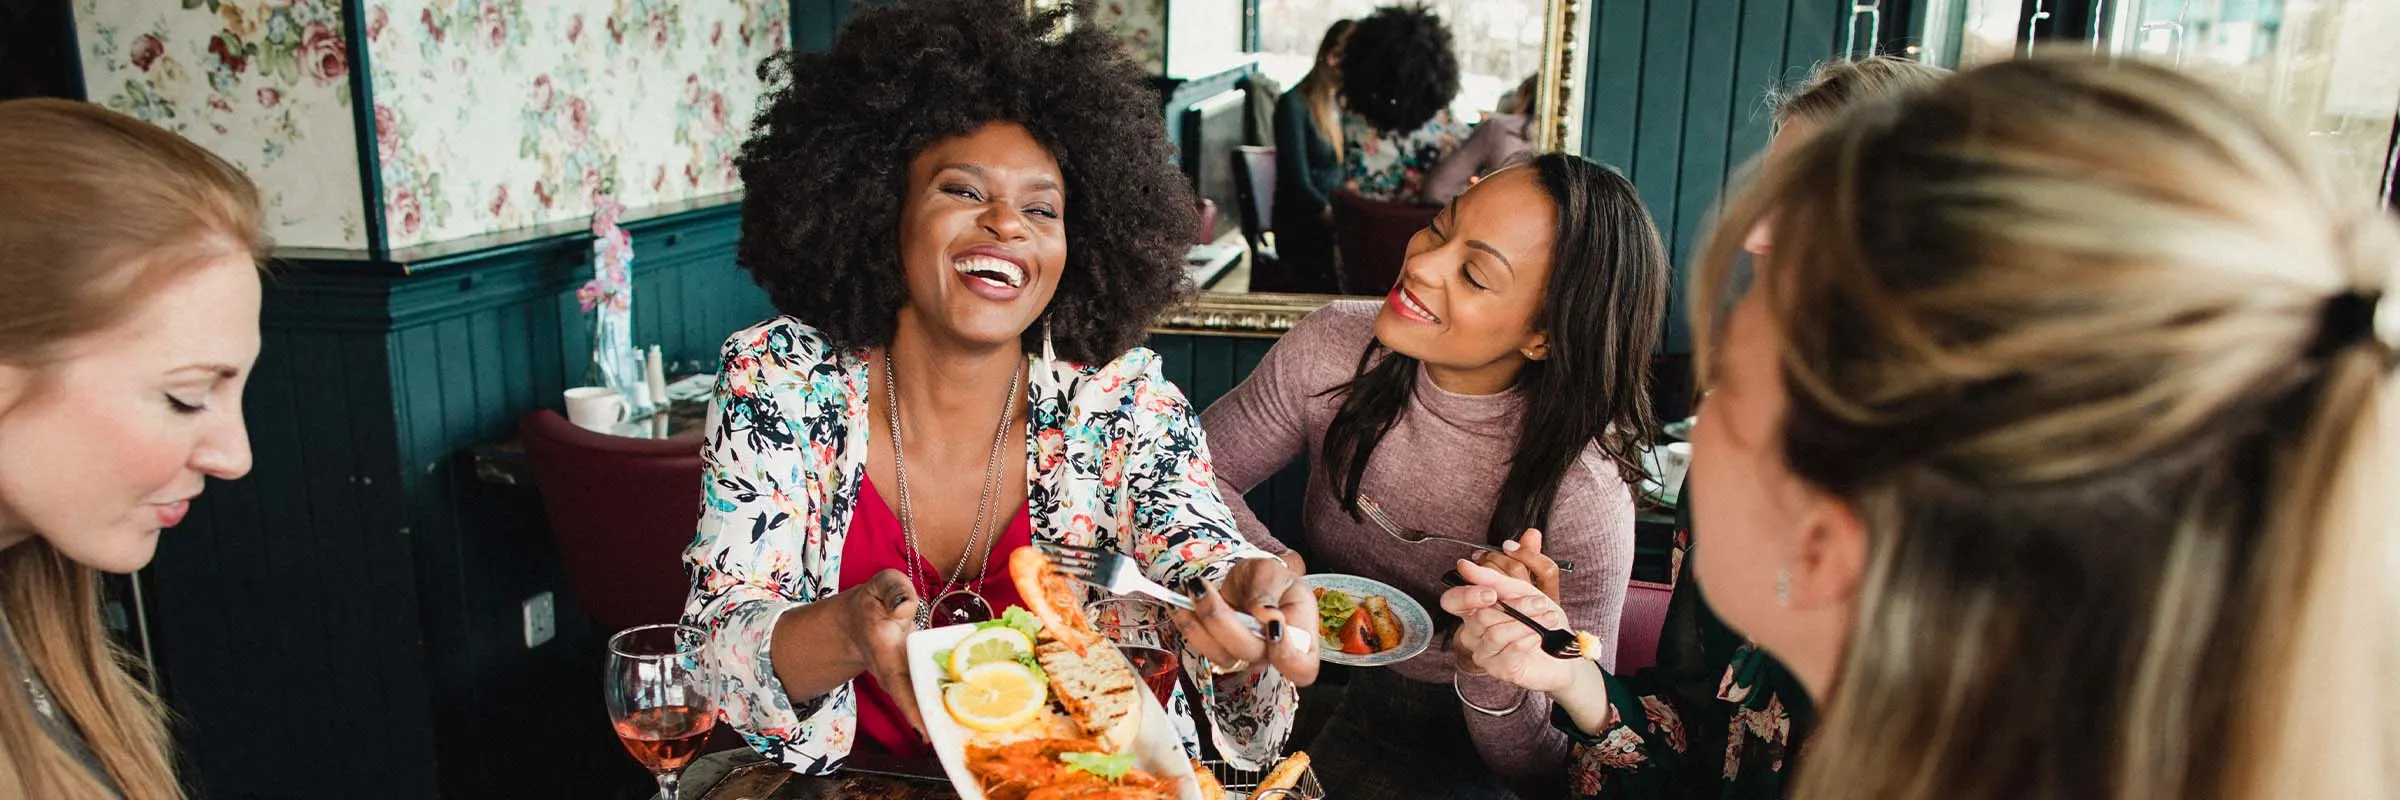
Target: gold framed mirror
x,y
1495,44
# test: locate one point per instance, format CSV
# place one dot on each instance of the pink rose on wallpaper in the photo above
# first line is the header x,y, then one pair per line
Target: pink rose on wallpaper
x,y
691,175
387,133
405,212
716,34
541,191
494,26
590,182
269,98
658,30
228,49
778,36
691,88
219,103
575,29
658,181
322,54
727,173
146,50
499,199
579,121
376,19
542,93
432,28
716,112
615,34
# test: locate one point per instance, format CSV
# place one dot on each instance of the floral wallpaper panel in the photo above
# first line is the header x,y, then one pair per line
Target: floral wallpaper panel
x,y
1142,24
492,115
262,83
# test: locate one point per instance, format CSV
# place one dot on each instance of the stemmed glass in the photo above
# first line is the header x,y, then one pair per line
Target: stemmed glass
x,y
1142,632
658,697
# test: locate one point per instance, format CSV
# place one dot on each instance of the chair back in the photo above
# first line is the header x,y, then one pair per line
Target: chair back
x,y
1372,238
1638,631
621,511
1254,188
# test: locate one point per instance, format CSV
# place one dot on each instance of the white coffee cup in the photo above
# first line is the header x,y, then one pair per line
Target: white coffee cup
x,y
1674,459
596,408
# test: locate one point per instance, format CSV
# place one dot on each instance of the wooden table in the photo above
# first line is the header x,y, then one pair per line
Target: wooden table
x,y
741,774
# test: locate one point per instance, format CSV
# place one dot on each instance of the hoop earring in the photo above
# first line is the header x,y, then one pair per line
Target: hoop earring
x,y
1783,588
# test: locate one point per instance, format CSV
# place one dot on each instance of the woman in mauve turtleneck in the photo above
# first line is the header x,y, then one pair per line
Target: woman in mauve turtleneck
x,y
1499,393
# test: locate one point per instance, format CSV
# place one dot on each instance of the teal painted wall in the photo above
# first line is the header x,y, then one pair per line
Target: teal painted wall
x,y
1677,100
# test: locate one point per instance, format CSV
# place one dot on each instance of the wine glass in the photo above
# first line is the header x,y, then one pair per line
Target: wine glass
x,y
1142,632
658,697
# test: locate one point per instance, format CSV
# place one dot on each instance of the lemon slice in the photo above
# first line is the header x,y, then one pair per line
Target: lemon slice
x,y
996,697
988,646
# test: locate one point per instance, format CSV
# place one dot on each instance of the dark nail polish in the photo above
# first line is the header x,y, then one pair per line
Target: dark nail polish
x,y
1274,630
1194,586
1453,578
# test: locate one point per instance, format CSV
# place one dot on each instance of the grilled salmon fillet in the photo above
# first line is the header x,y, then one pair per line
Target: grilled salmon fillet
x,y
1098,688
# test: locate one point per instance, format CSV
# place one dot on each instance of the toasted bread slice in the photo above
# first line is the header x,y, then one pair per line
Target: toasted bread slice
x,y
1210,789
1099,690
1387,626
1285,775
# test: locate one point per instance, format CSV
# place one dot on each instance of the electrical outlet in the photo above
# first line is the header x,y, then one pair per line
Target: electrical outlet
x,y
541,619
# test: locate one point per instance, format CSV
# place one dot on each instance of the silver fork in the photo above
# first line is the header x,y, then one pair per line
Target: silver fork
x,y
1111,571
1375,514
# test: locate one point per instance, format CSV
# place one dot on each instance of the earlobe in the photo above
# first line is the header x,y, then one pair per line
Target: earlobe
x,y
1536,350
1831,562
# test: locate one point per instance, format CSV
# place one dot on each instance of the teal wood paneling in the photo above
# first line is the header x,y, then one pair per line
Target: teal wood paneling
x,y
1207,367
1677,101
345,620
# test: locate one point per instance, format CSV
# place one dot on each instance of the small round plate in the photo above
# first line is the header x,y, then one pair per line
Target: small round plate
x,y
1416,626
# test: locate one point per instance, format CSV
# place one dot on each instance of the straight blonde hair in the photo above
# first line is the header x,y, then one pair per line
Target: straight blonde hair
x,y
97,210
1322,86
2097,356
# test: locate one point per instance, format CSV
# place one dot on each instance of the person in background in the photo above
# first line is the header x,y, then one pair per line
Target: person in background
x,y
1716,716
2049,472
129,303
1308,167
1502,387
964,218
1501,139
1399,75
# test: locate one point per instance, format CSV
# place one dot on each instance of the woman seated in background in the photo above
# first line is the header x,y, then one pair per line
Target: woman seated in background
x,y
1498,141
1715,716
129,299
1501,387
1308,167
963,216
2049,472
1399,75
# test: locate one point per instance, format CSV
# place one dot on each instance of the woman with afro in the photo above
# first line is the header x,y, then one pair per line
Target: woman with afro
x,y
967,219
1399,75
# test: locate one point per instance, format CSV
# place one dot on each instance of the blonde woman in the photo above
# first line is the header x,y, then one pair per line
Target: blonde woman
x,y
129,300
2050,470
1308,167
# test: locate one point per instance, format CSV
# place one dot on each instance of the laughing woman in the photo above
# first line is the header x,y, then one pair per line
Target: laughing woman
x,y
967,222
1501,386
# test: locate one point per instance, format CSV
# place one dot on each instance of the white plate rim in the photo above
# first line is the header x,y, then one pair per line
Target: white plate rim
x,y
1157,749
1417,638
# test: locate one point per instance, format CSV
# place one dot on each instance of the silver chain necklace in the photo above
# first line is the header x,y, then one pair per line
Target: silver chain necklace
x,y
908,522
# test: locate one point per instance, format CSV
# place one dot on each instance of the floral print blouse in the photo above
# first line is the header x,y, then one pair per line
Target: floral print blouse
x,y
1391,165
1115,457
1715,717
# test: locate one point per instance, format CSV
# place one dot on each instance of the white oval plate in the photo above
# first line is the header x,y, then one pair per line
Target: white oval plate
x,y
1416,626
1157,750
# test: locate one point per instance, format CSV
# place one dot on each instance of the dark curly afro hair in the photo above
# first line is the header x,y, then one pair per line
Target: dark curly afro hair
x,y
1398,67
827,163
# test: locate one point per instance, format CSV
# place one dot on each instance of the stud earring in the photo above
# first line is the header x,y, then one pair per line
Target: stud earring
x,y
1783,588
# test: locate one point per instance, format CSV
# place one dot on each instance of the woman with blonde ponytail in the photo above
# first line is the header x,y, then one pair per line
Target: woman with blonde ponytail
x,y
2051,447
129,301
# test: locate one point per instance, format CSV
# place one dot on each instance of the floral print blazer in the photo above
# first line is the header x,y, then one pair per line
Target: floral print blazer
x,y
1115,457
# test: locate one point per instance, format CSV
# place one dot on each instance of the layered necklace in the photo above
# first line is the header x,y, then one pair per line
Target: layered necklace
x,y
957,602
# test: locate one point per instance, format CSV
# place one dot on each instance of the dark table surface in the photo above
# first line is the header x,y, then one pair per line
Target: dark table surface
x,y
740,774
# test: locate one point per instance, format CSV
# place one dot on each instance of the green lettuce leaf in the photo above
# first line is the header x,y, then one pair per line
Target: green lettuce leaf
x,y
1102,765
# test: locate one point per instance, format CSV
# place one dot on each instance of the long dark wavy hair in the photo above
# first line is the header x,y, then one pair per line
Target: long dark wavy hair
x,y
1603,308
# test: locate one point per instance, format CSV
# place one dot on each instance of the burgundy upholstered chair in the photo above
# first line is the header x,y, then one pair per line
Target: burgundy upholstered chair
x,y
621,510
1638,631
1372,236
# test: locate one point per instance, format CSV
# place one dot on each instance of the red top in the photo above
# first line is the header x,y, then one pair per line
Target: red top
x,y
876,544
